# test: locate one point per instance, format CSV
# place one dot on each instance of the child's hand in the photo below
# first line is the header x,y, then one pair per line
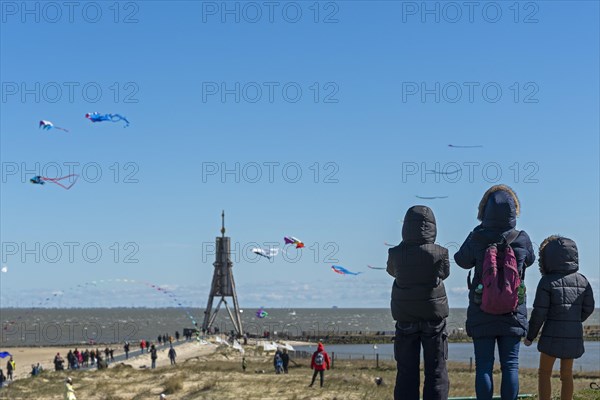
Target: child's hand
x,y
527,342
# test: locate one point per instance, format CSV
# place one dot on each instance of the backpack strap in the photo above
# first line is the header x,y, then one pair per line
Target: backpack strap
x,y
511,236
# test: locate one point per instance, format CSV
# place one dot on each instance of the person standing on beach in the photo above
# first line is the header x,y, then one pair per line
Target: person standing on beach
x,y
498,212
142,345
420,307
3,378
172,355
319,362
278,363
10,368
285,357
153,356
58,362
126,349
564,299
69,391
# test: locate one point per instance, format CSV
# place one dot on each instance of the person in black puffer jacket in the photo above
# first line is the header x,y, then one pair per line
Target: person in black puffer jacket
x,y
420,307
563,300
498,211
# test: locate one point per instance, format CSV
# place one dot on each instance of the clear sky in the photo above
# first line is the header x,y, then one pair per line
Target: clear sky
x,y
308,119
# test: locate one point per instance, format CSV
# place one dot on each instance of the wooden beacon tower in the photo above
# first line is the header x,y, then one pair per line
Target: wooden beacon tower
x,y
223,285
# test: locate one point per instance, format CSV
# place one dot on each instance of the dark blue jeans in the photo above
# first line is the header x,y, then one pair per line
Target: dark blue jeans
x,y
508,350
410,337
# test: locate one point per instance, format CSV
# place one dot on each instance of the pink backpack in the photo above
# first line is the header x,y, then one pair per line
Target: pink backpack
x,y
500,278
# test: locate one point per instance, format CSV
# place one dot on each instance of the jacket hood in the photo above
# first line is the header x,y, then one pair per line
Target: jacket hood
x,y
320,347
558,255
499,208
419,225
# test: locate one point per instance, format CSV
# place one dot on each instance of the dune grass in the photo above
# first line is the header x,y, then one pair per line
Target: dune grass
x,y
220,377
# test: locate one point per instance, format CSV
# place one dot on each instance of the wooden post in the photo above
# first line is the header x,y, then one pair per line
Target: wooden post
x,y
332,359
377,360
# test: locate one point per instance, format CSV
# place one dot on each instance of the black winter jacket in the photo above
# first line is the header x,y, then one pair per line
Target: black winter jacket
x,y
563,300
498,211
419,267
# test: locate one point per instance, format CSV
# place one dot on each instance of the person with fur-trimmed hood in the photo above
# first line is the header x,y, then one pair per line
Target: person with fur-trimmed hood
x,y
563,300
498,212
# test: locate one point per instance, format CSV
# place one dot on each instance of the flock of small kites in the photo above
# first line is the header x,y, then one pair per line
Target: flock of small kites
x,y
47,126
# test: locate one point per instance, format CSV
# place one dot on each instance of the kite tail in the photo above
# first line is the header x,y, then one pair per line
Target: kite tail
x,y
62,129
120,118
56,180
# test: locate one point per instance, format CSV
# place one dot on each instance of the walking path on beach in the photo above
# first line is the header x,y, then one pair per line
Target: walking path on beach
x,y
26,356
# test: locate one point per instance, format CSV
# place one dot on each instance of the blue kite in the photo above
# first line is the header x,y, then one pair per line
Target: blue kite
x,y
5,354
97,117
343,271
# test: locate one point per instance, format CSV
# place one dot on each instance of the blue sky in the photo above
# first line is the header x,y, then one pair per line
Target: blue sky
x,y
369,96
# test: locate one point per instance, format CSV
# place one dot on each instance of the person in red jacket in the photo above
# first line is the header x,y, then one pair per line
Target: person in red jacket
x,y
319,362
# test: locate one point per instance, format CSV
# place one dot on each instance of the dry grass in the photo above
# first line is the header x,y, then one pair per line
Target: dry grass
x,y
173,384
220,376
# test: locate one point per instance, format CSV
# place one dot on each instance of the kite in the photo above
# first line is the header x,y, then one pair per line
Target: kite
x,y
433,171
293,240
47,125
261,313
97,117
375,267
431,197
4,354
4,269
265,253
343,271
41,180
464,147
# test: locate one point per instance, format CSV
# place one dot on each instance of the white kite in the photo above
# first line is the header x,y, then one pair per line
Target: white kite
x,y
272,252
4,268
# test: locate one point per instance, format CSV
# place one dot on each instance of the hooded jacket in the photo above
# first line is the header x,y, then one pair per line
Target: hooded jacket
x,y
419,267
327,361
563,300
498,211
